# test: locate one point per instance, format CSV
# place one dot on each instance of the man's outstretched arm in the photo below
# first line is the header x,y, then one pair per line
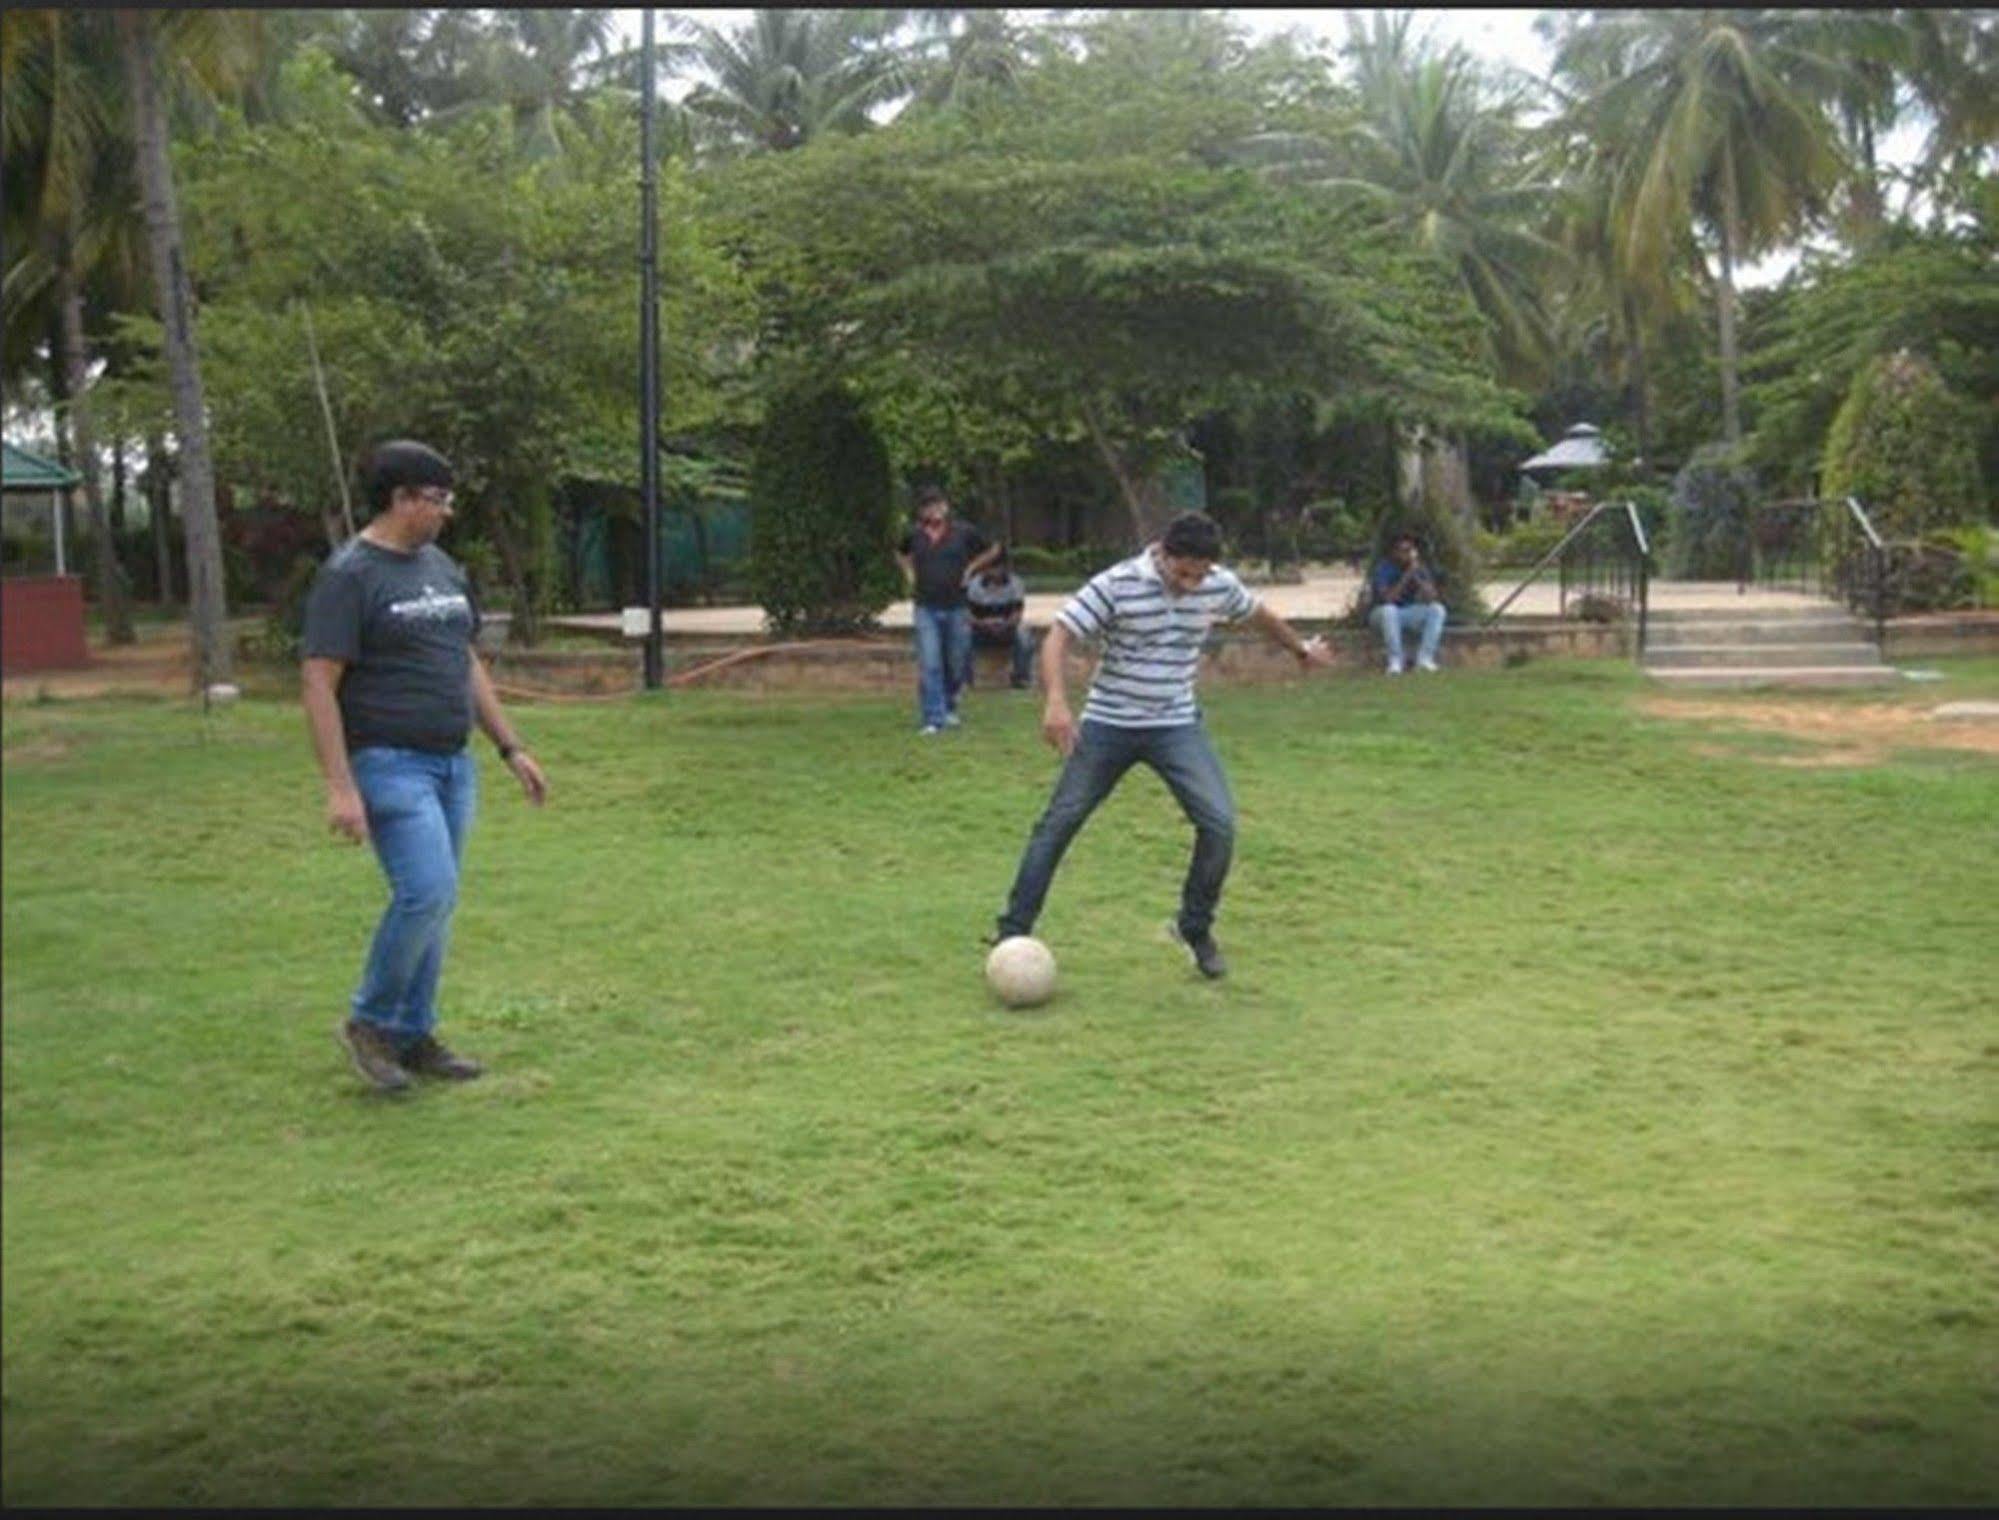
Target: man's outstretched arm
x,y
1311,651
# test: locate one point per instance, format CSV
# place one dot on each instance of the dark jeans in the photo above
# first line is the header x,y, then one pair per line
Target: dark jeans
x,y
1017,639
1185,761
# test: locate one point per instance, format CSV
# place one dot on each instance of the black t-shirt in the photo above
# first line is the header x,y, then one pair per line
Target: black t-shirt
x,y
940,567
403,624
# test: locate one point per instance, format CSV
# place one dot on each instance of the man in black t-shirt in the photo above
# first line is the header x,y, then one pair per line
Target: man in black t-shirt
x,y
936,555
392,686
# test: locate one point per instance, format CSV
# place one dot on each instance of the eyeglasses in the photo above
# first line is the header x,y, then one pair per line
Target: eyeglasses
x,y
437,496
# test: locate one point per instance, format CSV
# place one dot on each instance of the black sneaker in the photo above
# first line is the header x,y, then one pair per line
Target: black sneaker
x,y
1207,954
427,1058
373,1055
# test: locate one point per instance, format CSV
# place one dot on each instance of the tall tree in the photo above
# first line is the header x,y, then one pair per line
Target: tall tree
x,y
789,76
69,178
1718,114
224,43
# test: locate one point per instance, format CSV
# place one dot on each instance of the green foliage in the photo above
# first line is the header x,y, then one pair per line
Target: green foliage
x,y
1713,496
824,515
1022,274
1333,529
1907,448
1931,293
1069,566
1928,575
1524,543
1978,545
458,293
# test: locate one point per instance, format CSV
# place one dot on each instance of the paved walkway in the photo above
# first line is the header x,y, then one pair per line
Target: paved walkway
x,y
1325,593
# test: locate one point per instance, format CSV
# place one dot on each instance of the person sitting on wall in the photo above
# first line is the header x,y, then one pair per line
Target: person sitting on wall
x,y
998,599
1405,596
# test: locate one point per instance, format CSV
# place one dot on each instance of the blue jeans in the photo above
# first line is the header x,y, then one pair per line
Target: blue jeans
x,y
1020,642
943,649
1390,622
420,809
1186,762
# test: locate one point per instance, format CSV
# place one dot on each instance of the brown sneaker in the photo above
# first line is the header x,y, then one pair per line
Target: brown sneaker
x,y
373,1055
427,1058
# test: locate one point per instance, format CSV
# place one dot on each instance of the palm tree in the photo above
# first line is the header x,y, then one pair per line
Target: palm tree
x,y
963,52
217,46
791,75
67,176
1716,115
1438,153
541,67
1951,69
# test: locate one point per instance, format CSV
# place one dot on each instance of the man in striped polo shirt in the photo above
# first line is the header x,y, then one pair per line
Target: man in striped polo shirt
x,y
1152,614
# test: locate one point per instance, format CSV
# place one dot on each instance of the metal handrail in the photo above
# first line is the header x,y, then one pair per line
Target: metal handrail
x,y
1866,524
1641,563
1644,570
1878,554
1822,561
1545,560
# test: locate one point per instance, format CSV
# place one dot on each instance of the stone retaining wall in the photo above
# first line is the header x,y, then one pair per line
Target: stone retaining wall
x,y
1934,633
885,662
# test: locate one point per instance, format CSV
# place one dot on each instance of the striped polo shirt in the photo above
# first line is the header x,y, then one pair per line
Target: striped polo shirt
x,y
1151,639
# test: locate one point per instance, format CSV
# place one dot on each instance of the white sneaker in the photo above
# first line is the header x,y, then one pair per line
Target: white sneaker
x,y
951,720
1395,667
1423,664
927,730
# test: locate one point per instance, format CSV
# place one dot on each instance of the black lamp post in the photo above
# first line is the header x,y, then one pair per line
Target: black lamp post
x,y
649,354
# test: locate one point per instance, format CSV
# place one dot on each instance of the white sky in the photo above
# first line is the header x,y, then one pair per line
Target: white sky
x,y
1505,36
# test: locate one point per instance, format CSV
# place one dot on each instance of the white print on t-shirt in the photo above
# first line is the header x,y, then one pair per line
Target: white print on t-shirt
x,y
433,606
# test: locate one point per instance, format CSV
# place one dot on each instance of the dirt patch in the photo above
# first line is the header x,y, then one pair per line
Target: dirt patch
x,y
43,749
160,664
1856,734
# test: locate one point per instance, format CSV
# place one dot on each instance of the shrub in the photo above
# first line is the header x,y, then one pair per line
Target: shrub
x,y
284,625
1979,545
1523,544
823,523
1711,501
260,544
1331,530
1907,447
1597,607
1655,507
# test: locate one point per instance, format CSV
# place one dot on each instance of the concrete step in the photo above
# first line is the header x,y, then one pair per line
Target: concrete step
x,y
1823,629
1790,675
1712,656
1814,607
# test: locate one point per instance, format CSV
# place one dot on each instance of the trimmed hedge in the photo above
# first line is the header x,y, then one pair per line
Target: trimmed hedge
x,y
1907,447
823,528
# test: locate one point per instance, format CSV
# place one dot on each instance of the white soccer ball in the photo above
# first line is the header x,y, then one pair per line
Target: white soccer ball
x,y
1021,970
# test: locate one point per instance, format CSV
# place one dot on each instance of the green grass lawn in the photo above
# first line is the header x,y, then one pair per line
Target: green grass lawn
x,y
1598,1113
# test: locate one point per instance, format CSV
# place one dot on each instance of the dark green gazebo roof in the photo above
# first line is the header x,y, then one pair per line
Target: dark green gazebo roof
x,y
30,472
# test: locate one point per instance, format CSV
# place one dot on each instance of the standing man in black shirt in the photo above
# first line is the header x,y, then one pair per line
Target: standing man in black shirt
x,y
937,555
391,686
